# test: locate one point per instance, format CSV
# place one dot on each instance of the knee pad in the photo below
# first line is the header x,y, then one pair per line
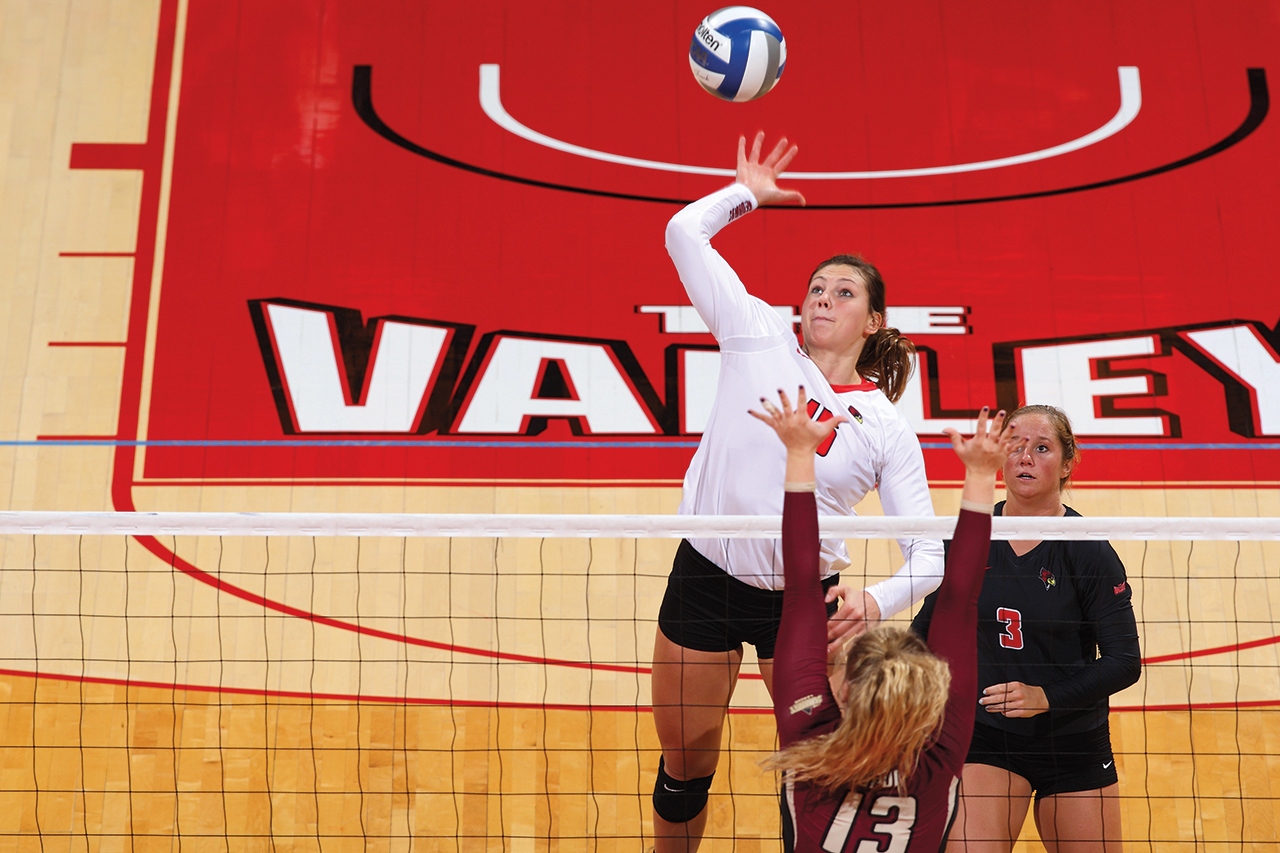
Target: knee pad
x,y
679,801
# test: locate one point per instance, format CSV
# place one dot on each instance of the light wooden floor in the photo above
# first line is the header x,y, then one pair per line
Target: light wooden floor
x,y
329,775
449,750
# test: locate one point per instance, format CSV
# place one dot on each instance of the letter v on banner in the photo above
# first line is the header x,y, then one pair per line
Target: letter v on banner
x,y
331,373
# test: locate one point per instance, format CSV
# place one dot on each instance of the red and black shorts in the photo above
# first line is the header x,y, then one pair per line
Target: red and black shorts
x,y
709,610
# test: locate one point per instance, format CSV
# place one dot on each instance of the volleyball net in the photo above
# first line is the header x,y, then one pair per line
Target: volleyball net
x,y
465,682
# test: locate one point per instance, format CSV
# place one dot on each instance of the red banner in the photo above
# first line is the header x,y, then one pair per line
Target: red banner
x,y
424,242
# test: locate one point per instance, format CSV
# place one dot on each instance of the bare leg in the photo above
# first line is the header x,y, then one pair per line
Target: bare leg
x,y
993,806
691,692
1081,821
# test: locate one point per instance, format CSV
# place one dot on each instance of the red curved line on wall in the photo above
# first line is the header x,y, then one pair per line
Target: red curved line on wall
x,y
1202,706
1216,650
166,554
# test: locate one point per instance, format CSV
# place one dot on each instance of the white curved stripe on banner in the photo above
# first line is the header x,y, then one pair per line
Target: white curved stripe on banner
x,y
1130,104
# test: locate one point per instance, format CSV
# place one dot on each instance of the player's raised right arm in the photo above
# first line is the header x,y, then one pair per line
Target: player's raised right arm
x,y
713,287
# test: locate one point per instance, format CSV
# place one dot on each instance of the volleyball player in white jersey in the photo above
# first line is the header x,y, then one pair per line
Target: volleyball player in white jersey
x,y
724,592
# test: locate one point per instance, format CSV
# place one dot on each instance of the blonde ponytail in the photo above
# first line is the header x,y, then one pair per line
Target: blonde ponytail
x,y
897,690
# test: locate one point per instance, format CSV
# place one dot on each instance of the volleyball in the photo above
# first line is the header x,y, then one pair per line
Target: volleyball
x,y
737,53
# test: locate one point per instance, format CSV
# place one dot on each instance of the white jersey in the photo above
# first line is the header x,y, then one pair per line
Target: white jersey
x,y
740,465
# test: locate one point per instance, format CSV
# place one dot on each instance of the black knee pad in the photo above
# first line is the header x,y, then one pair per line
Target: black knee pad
x,y
679,801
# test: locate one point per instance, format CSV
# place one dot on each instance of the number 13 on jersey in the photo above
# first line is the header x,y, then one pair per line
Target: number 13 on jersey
x,y
899,814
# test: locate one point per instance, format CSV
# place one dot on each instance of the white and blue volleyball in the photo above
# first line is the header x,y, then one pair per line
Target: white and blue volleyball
x,y
738,53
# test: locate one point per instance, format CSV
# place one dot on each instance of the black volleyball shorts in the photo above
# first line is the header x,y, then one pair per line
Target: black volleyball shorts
x,y
708,610
1058,764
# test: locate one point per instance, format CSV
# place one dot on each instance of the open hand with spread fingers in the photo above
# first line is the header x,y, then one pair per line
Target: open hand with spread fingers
x,y
761,176
799,432
989,447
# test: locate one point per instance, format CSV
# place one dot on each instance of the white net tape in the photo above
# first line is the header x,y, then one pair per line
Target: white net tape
x,y
1116,528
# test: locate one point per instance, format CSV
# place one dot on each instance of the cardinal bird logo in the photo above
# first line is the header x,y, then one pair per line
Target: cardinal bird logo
x,y
1047,578
857,416
1119,589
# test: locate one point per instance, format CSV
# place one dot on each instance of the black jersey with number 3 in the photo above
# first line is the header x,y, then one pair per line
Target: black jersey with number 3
x,y
1059,617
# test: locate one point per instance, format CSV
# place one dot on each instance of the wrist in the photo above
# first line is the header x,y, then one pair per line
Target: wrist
x,y
979,488
756,200
799,466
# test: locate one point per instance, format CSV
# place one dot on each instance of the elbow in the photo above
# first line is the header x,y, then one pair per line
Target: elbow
x,y
1132,670
927,556
680,234
1125,669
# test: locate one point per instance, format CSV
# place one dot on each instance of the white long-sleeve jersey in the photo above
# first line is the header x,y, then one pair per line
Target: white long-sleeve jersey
x,y
740,465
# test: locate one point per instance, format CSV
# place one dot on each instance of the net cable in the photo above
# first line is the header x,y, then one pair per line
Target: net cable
x,y
587,526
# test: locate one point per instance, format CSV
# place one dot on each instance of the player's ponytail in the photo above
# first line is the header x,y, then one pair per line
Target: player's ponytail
x,y
886,357
896,693
886,360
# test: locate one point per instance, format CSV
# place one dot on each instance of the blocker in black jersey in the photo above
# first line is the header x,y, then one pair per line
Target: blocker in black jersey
x,y
1059,617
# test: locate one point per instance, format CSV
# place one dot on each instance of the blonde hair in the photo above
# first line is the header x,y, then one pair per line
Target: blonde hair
x,y
897,690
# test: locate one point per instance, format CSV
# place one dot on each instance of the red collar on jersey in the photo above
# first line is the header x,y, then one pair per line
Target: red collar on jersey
x,y
865,385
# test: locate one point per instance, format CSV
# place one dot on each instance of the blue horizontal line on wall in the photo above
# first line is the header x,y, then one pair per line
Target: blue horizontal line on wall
x,y
521,443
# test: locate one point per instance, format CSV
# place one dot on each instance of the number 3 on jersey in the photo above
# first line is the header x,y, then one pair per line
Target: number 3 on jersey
x,y
1011,637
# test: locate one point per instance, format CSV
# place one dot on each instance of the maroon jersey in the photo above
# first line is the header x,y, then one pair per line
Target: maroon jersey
x,y
833,822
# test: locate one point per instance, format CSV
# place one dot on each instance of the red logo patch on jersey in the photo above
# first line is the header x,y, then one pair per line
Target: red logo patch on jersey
x,y
1047,578
1119,589
824,414
857,416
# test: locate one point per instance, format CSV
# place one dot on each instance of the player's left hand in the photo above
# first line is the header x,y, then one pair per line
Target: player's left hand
x,y
989,448
858,612
1014,699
